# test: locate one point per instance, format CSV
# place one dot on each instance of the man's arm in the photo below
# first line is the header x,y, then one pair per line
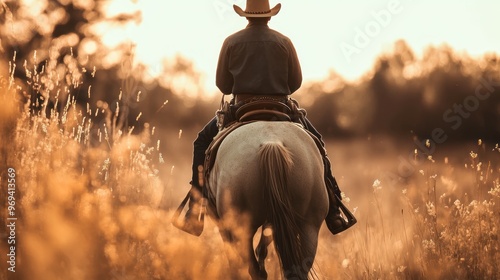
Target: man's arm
x,y
224,78
294,70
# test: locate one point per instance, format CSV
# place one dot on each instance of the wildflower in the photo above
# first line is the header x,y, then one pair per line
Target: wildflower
x,y
442,197
105,166
376,185
473,155
345,197
474,203
431,209
404,191
345,263
457,204
495,191
497,148
429,245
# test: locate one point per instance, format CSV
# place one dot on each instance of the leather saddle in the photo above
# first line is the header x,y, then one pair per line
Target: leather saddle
x,y
264,110
255,109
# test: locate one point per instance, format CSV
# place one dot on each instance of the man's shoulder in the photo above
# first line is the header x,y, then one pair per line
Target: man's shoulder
x,y
277,33
237,34
235,37
281,36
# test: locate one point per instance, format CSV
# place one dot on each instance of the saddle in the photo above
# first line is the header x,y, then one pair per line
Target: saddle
x,y
233,116
265,110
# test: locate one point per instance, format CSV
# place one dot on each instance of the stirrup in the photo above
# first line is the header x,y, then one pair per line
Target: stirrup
x,y
344,217
191,223
336,225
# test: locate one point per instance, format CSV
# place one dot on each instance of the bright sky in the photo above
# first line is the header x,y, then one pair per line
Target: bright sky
x,y
340,35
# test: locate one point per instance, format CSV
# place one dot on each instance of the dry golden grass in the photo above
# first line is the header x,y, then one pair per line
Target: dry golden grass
x,y
97,206
439,222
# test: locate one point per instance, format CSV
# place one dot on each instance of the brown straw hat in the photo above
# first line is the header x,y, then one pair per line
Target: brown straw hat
x,y
257,8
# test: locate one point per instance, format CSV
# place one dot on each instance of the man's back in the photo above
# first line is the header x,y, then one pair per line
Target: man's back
x,y
258,60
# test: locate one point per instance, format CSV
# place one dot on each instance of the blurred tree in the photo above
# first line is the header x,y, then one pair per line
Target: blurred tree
x,y
61,26
404,95
57,46
60,39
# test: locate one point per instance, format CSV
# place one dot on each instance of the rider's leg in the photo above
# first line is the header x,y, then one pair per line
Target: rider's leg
x,y
328,171
334,220
192,224
200,145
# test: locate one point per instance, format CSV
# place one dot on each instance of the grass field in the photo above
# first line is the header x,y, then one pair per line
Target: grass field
x,y
93,202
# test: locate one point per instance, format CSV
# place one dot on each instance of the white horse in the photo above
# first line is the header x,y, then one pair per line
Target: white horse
x,y
270,175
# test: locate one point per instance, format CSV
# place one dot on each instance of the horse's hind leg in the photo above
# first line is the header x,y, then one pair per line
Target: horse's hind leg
x,y
256,267
240,254
261,250
235,254
309,248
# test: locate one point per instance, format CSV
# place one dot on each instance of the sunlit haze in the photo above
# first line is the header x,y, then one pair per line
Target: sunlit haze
x,y
343,36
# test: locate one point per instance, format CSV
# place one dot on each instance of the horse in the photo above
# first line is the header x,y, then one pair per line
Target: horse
x,y
269,175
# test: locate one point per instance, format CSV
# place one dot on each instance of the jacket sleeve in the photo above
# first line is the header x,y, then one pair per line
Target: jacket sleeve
x,y
224,78
294,70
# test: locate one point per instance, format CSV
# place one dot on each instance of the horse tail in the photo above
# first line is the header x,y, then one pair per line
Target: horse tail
x,y
275,165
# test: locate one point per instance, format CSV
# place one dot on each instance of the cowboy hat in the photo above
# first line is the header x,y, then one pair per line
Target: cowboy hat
x,y
257,8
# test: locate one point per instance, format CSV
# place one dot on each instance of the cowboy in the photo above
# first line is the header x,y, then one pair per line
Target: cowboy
x,y
256,61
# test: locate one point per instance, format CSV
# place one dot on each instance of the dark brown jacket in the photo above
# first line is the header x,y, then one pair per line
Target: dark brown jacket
x,y
258,60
